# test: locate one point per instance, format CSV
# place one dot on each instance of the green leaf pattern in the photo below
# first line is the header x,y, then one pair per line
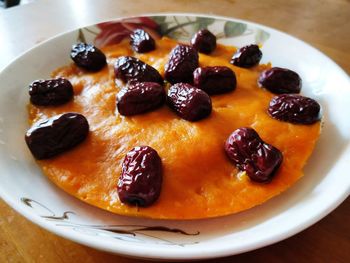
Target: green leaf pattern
x,y
203,22
81,36
261,36
182,28
233,29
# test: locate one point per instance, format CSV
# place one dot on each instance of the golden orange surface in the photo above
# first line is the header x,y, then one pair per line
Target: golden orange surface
x,y
198,179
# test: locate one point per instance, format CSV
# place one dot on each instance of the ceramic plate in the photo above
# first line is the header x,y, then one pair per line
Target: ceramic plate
x,y
325,185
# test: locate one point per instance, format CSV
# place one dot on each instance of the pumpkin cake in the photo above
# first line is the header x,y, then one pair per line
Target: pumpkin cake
x,y
199,180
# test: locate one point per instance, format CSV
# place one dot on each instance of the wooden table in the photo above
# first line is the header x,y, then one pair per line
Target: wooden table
x,y
324,24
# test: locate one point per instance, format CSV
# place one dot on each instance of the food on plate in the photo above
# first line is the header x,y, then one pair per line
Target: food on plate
x,y
140,97
141,41
182,62
57,134
188,102
131,69
280,80
247,56
294,108
141,178
215,80
252,155
175,132
50,92
204,41
88,57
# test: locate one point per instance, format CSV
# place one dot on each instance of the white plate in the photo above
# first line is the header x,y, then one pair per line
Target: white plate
x,y
325,185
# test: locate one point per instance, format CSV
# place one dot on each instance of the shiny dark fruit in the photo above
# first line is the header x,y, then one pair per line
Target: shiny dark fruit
x,y
215,80
280,80
188,102
88,57
204,41
251,154
140,181
182,62
130,69
56,135
295,109
247,56
140,97
50,92
141,41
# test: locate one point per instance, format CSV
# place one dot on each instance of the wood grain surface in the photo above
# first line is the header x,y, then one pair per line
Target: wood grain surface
x,y
324,24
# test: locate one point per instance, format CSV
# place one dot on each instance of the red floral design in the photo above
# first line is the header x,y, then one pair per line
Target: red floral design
x,y
114,32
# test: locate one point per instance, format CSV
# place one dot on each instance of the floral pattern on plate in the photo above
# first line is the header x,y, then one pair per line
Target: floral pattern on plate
x,y
181,28
123,232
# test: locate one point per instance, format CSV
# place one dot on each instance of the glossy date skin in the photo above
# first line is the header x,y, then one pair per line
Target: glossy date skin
x,y
204,41
141,178
188,102
141,41
88,57
247,56
140,97
182,62
130,69
295,109
50,92
280,80
215,80
249,153
56,135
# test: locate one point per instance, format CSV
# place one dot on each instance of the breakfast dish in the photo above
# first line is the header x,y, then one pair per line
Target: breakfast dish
x,y
216,138
324,186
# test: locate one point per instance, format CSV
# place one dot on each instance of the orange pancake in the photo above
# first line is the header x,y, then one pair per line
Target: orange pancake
x,y
198,179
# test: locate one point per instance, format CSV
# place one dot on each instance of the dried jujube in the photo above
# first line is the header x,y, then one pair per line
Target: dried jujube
x,y
204,41
50,92
141,178
88,57
280,80
251,154
294,108
182,62
60,133
247,56
188,102
140,97
141,41
214,80
130,69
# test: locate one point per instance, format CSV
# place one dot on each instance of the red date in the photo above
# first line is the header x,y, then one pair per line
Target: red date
x,y
56,135
280,80
140,97
50,92
141,179
204,41
88,57
215,80
182,62
247,56
295,109
130,69
251,154
141,41
188,102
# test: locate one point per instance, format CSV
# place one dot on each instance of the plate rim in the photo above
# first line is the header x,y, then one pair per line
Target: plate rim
x,y
155,253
